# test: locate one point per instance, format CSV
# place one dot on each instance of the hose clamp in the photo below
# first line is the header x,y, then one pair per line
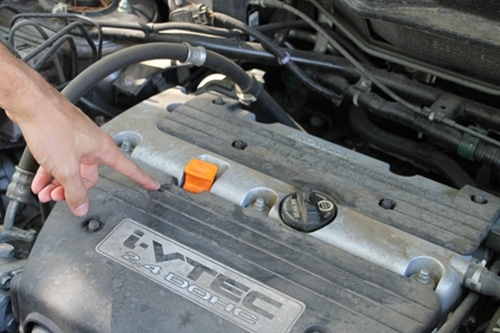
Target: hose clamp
x,y
473,282
196,55
244,98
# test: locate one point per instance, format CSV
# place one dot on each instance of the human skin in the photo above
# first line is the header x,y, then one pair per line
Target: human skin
x,y
68,146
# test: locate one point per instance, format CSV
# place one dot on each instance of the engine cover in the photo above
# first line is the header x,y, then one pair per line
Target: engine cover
x,y
224,261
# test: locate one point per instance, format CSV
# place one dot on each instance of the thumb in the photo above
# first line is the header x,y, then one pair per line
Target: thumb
x,y
80,209
76,195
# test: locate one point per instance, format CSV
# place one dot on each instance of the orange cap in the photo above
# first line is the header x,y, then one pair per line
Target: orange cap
x,y
199,176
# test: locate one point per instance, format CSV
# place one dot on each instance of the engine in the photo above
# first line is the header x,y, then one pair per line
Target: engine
x,y
321,170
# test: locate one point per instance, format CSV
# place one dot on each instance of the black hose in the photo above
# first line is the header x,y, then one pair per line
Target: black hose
x,y
249,51
422,153
282,56
281,25
98,71
86,80
450,137
398,113
27,162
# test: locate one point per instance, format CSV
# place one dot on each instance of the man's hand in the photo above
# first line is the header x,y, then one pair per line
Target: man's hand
x,y
68,146
69,163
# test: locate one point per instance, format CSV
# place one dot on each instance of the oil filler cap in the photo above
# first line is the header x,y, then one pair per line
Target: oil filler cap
x,y
199,176
307,210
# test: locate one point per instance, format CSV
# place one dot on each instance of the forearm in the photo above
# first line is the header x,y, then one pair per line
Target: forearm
x,y
24,93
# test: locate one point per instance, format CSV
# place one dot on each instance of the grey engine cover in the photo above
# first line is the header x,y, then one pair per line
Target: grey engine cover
x,y
170,260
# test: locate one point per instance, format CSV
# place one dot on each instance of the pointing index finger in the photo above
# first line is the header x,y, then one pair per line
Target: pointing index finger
x,y
124,165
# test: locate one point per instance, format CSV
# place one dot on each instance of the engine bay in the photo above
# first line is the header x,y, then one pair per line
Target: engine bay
x,y
325,166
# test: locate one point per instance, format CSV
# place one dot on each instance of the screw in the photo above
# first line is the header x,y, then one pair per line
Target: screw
x,y
387,204
124,6
239,144
260,205
126,147
94,226
218,101
424,276
479,199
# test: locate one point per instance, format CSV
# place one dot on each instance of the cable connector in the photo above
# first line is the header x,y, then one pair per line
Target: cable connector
x,y
192,13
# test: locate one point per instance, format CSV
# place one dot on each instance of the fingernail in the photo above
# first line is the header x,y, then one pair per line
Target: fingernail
x,y
153,185
82,209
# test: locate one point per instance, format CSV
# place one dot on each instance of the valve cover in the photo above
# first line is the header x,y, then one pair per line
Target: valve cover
x,y
224,260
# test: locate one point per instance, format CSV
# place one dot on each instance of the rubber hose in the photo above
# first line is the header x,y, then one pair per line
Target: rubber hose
x,y
86,80
395,111
491,284
282,56
98,71
488,154
449,137
422,153
254,52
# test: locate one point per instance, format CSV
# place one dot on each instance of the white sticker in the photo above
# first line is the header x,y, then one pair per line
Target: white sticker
x,y
253,19
238,298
